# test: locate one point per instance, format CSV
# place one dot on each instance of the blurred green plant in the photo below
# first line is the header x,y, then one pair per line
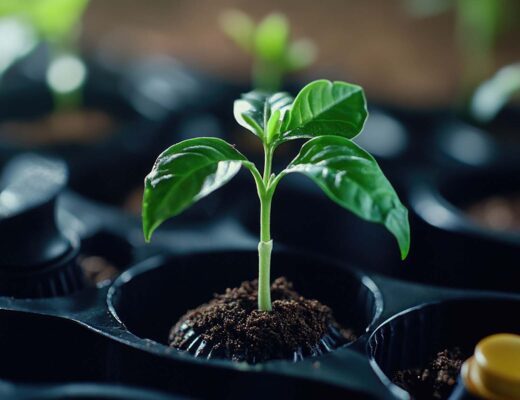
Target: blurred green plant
x,y
492,95
268,42
19,39
478,24
55,22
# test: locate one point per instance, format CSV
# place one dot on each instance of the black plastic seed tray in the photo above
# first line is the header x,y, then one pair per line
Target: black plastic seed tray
x,y
116,333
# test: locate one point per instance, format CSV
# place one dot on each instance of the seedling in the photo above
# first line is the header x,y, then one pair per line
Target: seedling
x,y
55,22
492,95
268,43
328,115
478,25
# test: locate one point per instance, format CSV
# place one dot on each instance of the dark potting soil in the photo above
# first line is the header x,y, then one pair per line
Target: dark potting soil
x,y
437,380
497,212
230,326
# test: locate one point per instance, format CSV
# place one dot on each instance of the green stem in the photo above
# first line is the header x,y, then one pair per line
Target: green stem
x,y
268,160
477,25
265,246
264,275
65,101
267,76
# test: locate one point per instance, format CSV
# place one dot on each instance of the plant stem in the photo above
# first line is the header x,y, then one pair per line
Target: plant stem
x,y
73,98
265,246
264,275
267,76
67,101
268,160
477,27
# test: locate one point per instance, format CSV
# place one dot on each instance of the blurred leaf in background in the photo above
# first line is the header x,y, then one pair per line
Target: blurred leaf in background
x,y
495,93
268,42
18,39
427,8
55,22
478,25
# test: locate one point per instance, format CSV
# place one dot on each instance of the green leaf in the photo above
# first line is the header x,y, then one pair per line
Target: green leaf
x,y
185,173
492,95
481,22
300,55
326,108
273,126
351,177
53,19
253,111
271,38
239,27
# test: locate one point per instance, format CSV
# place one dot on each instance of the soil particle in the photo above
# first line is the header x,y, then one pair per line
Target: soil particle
x,y
437,380
230,325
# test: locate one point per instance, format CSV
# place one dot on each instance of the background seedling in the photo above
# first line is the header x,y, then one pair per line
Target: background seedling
x,y
55,22
478,25
268,43
326,114
492,95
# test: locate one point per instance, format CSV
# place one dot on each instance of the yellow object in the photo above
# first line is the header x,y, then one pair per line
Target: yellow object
x,y
494,370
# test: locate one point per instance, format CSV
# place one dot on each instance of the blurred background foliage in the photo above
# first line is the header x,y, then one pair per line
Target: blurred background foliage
x,y
23,24
412,52
53,20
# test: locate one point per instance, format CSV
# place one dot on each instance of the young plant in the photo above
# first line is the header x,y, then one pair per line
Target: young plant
x,y
478,25
55,22
268,43
492,95
327,114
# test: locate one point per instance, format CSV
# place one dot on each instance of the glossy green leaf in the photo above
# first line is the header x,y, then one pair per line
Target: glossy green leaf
x,y
253,111
185,173
273,126
326,108
351,177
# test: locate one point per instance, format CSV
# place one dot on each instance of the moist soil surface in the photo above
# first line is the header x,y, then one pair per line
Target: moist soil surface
x,y
497,212
231,326
436,380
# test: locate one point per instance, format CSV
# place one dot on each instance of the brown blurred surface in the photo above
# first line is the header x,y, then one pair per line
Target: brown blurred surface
x,y
375,43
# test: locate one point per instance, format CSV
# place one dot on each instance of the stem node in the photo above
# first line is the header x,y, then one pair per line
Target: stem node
x,y
264,272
